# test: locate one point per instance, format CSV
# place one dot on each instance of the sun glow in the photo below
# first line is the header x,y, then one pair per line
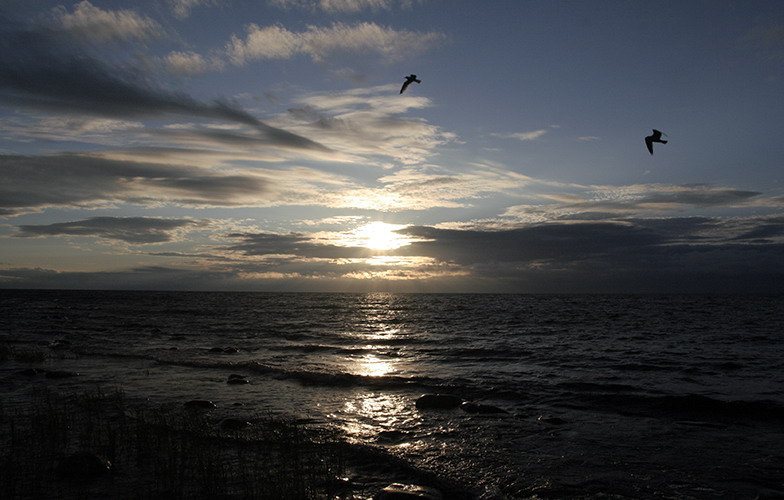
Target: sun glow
x,y
379,236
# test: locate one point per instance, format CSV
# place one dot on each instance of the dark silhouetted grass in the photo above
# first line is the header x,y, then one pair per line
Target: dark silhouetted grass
x,y
161,452
29,355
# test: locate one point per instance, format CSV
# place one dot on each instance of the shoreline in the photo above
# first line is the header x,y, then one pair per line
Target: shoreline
x,y
156,450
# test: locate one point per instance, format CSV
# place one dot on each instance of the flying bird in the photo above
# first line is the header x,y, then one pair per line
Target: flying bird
x,y
409,80
655,137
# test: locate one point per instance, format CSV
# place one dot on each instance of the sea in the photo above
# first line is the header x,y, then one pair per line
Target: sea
x,y
595,396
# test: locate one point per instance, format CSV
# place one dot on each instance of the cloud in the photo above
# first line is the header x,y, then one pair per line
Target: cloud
x,y
591,202
31,183
695,254
136,230
182,8
366,123
524,136
292,244
190,63
45,71
557,242
642,255
93,23
277,42
343,6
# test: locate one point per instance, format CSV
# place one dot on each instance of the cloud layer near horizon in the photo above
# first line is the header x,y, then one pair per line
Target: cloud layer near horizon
x,y
638,256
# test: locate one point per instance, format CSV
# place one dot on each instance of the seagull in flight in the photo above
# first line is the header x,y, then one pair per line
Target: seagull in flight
x,y
409,79
655,137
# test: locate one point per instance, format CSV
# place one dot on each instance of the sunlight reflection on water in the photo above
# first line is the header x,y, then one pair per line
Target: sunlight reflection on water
x,y
365,414
372,366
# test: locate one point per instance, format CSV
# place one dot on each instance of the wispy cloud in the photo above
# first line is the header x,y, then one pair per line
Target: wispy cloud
x,y
292,244
524,136
368,122
344,6
136,230
32,183
182,8
189,63
46,71
93,23
609,202
277,42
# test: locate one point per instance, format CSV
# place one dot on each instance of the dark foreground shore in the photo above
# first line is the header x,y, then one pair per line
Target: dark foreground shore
x,y
97,444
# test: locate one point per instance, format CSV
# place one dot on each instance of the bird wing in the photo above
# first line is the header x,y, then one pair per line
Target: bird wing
x,y
405,86
649,143
656,135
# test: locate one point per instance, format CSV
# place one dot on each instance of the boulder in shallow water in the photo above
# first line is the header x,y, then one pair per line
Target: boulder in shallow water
x,y
480,408
398,491
83,466
549,419
200,404
235,379
438,402
224,350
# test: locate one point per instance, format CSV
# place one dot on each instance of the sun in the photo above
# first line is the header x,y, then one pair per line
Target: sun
x,y
380,236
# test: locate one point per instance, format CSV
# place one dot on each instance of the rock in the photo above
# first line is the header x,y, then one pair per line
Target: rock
x,y
200,404
61,374
547,419
237,379
438,402
481,408
83,466
398,491
224,350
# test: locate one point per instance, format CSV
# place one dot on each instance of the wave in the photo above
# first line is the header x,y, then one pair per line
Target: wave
x,y
686,406
314,377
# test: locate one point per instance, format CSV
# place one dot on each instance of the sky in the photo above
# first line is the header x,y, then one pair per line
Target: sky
x,y
265,145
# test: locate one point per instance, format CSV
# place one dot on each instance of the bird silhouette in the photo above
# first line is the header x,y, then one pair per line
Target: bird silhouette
x,y
409,80
655,137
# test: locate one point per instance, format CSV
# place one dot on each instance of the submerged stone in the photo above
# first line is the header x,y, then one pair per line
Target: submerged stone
x,y
481,408
438,402
235,379
200,404
549,419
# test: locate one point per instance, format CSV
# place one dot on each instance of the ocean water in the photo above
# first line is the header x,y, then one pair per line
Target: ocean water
x,y
605,396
